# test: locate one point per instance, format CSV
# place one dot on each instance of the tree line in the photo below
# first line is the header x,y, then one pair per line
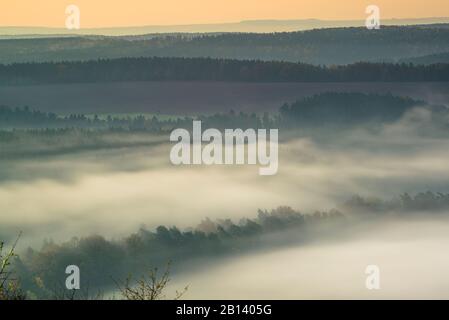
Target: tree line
x,y
103,260
208,69
325,108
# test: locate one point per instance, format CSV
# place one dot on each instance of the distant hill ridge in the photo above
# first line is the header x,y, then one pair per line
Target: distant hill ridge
x,y
269,25
319,46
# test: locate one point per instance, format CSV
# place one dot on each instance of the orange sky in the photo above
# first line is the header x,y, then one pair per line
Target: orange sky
x,y
109,13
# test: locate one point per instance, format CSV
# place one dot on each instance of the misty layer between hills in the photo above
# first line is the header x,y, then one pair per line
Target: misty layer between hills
x,y
103,196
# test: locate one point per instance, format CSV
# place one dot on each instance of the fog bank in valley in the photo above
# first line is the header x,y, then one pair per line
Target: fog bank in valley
x,y
411,256
113,191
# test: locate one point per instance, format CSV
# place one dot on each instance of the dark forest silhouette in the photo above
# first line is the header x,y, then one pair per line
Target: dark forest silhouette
x,y
207,69
336,108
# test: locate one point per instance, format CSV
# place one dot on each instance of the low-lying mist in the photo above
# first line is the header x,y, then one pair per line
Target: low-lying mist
x,y
113,191
411,256
122,183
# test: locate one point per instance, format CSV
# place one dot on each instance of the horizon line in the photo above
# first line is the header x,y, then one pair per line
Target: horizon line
x,y
221,23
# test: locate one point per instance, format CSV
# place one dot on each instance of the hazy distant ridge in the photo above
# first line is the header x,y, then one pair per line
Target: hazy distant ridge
x,y
242,26
319,46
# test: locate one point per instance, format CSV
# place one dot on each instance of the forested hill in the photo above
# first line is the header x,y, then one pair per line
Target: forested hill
x,y
320,46
429,59
326,109
206,69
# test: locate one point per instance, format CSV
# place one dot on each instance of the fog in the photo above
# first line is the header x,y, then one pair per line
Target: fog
x,y
411,256
113,191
